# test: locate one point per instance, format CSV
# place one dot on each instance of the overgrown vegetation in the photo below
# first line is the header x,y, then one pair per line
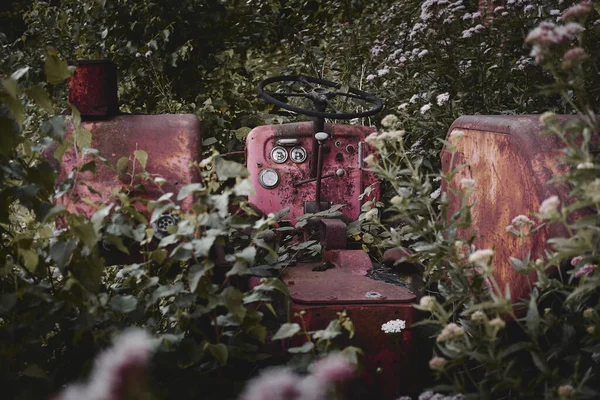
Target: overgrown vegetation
x,y
432,61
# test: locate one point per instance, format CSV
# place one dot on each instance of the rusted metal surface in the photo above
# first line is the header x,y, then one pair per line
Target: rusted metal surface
x,y
171,141
333,234
340,158
345,283
392,364
511,163
93,88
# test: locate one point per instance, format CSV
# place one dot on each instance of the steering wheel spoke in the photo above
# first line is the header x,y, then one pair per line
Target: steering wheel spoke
x,y
330,104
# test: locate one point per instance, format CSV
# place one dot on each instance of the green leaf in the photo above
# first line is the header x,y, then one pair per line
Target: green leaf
x,y
257,331
287,330
123,304
83,138
269,284
229,169
86,233
39,95
351,353
209,141
233,299
89,166
189,189
202,246
533,316
16,108
30,259
166,290
56,69
7,302
142,157
219,352
513,348
10,85
242,132
332,330
54,212
34,371
248,254
539,362
159,255
75,116
244,188
305,348
60,150
121,163
61,252
197,272
55,128
239,268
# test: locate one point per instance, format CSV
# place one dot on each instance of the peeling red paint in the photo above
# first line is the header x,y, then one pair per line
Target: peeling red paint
x,y
392,366
337,190
93,88
511,163
389,364
171,141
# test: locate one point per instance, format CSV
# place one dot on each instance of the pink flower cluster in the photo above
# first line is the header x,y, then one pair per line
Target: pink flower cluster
x,y
577,11
116,369
585,270
548,35
574,57
284,384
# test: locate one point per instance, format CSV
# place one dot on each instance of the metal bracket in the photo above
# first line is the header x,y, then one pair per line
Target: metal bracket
x,y
333,234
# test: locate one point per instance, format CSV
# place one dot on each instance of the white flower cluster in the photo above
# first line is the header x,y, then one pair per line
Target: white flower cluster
x,y
467,184
442,98
428,303
481,255
425,108
394,326
549,207
467,33
521,221
478,316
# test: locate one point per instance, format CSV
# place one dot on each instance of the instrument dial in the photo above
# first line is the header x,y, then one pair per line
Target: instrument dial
x,y
268,178
279,155
298,154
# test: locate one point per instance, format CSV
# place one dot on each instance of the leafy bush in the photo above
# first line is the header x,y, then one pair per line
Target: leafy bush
x,y
488,344
430,61
60,300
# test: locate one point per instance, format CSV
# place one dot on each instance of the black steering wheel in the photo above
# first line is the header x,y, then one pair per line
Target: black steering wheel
x,y
321,92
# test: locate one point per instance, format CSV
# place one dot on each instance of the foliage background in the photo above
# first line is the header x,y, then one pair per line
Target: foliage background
x,y
206,57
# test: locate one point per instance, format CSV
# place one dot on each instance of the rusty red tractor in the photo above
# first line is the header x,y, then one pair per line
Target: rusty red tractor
x,y
306,167
310,166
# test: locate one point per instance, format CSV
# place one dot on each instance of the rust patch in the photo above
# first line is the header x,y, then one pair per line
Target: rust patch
x,y
171,141
392,365
333,234
93,88
337,190
511,163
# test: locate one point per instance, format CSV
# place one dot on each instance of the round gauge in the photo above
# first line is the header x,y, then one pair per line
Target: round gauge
x,y
268,178
298,154
279,155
